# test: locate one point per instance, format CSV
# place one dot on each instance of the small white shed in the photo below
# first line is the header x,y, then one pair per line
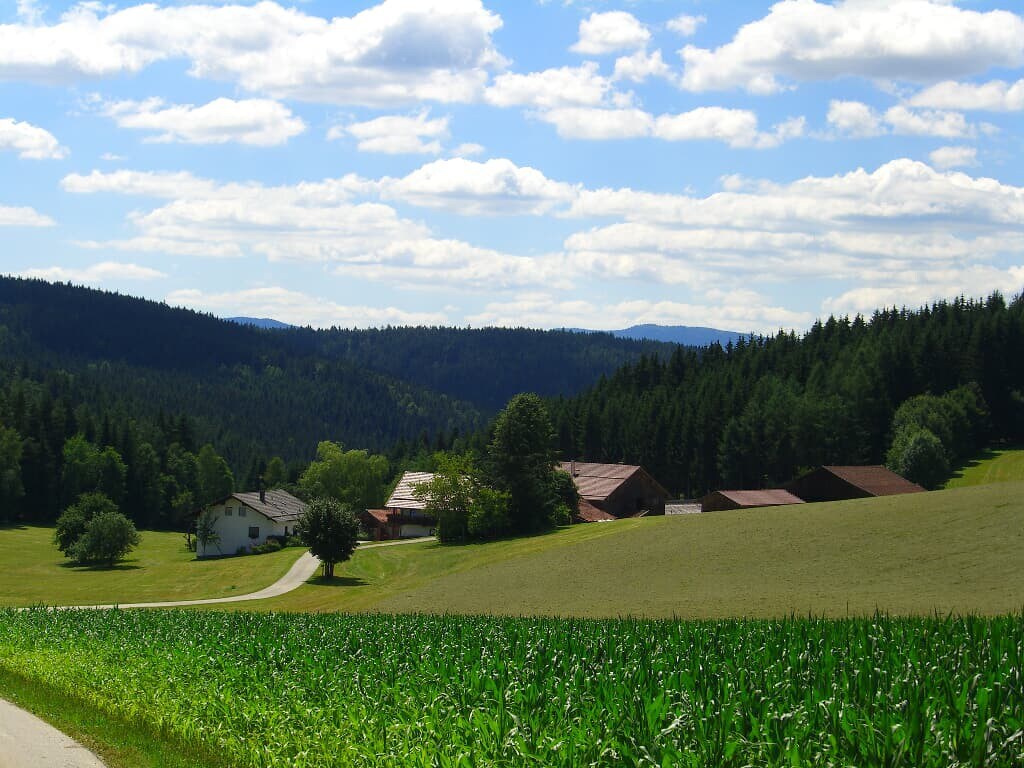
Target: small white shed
x,y
243,520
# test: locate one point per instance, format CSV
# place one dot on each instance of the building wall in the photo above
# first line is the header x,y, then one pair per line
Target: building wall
x,y
822,485
234,528
636,494
716,502
414,531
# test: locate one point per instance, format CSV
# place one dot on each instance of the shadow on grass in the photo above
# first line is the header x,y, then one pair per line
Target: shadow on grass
x,y
101,567
336,581
986,455
6,526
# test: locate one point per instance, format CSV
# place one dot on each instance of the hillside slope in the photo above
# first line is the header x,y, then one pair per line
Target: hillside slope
x,y
958,550
994,466
258,392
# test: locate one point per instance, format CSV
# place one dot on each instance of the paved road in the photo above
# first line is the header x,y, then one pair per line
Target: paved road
x,y
28,742
299,573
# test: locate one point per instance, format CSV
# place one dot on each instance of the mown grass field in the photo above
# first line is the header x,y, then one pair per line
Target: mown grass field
x,y
956,551
376,690
161,568
993,466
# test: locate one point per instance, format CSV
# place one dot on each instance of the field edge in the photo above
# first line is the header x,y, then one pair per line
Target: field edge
x,y
117,743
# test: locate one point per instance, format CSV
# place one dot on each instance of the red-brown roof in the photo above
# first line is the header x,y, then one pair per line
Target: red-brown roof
x,y
876,480
590,514
766,498
598,481
380,515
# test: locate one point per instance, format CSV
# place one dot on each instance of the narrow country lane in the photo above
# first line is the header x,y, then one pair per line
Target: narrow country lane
x,y
28,742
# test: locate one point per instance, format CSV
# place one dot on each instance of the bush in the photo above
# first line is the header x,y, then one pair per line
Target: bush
x,y
108,537
919,456
270,545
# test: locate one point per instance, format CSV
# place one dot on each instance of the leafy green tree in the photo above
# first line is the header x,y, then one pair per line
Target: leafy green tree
x,y
521,461
72,524
355,478
107,538
81,473
450,494
215,479
330,530
206,530
112,474
488,515
918,455
276,473
11,486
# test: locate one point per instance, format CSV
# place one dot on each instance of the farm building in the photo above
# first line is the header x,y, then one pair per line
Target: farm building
x,y
404,516
832,483
617,490
722,500
243,520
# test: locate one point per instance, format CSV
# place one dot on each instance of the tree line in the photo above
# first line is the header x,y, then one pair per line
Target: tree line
x,y
756,413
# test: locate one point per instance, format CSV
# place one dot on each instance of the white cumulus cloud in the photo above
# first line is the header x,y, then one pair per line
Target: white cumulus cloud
x,y
395,52
257,122
397,134
23,216
299,308
609,32
953,157
550,88
29,141
993,96
904,40
95,274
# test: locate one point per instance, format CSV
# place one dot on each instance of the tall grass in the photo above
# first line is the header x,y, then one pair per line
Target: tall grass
x,y
338,690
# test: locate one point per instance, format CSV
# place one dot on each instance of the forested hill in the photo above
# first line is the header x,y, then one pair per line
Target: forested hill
x,y
754,414
252,391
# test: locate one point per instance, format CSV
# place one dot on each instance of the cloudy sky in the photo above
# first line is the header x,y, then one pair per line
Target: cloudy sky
x,y
744,165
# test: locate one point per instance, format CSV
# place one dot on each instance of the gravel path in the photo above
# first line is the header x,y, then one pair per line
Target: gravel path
x,y
28,742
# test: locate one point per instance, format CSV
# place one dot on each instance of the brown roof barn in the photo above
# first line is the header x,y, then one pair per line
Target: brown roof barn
x,y
831,483
404,515
721,500
616,490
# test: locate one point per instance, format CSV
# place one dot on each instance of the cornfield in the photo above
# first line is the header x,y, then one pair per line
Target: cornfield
x,y
341,690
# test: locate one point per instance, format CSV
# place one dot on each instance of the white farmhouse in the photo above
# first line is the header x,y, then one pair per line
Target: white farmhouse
x,y
243,520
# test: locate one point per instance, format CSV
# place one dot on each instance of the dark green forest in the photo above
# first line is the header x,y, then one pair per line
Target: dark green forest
x,y
156,383
755,414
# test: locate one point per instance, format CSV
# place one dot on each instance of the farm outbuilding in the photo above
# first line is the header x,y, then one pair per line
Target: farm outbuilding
x,y
722,500
244,520
404,515
835,483
617,490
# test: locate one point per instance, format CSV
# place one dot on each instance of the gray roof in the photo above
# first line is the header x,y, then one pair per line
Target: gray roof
x,y
279,506
403,497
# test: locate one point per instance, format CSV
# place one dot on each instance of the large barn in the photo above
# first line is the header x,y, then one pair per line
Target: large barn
x,y
404,515
722,500
609,491
832,483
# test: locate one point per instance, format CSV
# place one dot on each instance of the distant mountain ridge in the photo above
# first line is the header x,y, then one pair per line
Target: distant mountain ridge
x,y
687,335
268,323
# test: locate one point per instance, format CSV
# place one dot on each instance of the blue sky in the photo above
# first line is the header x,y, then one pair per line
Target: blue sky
x,y
746,165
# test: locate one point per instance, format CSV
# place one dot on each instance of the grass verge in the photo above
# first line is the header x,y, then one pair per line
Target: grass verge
x,y
118,744
161,568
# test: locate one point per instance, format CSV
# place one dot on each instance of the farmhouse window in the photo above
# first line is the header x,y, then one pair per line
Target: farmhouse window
x,y
241,511
227,511
254,532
